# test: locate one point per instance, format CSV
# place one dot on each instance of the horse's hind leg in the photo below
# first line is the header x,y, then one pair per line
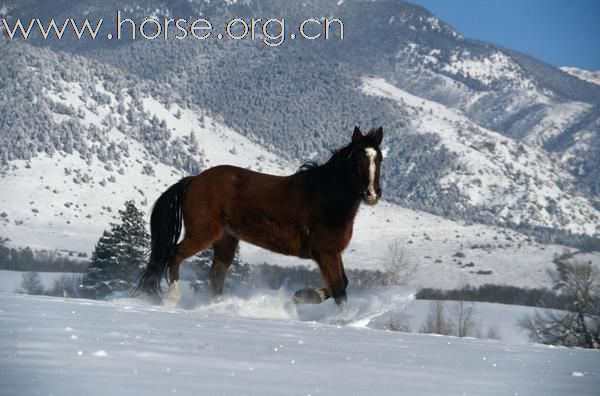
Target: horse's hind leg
x,y
188,247
224,252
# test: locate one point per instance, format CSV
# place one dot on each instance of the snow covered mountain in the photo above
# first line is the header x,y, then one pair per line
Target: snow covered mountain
x,y
542,109
474,132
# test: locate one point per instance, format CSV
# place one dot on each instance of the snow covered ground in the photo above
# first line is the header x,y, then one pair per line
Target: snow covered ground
x,y
382,307
54,346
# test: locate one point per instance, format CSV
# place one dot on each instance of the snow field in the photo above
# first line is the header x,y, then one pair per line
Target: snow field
x,y
68,347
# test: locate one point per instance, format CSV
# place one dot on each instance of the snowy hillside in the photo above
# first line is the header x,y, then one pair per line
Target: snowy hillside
x,y
447,252
512,181
73,347
64,201
65,198
490,176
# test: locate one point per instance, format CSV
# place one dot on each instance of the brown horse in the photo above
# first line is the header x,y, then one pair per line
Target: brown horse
x,y
309,214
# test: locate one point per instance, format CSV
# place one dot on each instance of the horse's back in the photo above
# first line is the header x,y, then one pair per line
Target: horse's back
x,y
229,182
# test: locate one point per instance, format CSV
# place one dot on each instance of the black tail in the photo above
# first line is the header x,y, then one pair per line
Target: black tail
x,y
165,228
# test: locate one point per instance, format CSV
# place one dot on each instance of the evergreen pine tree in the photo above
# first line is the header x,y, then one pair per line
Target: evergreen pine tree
x,y
119,256
239,271
200,264
132,241
96,281
4,254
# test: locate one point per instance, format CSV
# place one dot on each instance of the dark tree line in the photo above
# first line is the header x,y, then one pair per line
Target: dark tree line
x,y
47,261
502,294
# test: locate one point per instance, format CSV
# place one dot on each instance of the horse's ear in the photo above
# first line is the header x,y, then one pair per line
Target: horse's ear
x,y
378,136
356,135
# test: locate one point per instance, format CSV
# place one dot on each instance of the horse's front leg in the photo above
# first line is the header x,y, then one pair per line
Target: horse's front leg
x,y
332,271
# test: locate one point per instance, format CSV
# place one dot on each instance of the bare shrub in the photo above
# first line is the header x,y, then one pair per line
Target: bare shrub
x,y
579,325
31,284
493,333
462,313
458,321
399,267
436,322
400,323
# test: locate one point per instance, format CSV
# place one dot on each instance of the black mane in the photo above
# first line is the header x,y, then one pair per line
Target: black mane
x,y
340,154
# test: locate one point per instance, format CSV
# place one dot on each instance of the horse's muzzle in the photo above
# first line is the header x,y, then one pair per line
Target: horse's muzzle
x,y
372,199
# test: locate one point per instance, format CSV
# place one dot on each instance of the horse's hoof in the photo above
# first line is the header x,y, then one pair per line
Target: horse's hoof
x,y
309,295
171,299
217,298
341,299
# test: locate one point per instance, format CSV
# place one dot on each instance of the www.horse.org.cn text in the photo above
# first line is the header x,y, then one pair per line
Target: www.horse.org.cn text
x,y
273,32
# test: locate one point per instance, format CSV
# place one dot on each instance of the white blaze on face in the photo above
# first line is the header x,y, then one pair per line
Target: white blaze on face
x,y
371,155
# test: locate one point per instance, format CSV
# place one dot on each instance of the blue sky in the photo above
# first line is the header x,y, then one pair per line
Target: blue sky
x,y
559,32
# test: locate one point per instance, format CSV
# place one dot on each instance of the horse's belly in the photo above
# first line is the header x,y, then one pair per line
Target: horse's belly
x,y
277,245
282,244
276,236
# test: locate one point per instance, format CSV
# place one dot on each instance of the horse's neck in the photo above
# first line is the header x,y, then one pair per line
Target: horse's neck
x,y
351,209
337,194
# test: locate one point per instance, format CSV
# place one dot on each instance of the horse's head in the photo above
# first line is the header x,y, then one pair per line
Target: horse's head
x,y
365,162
